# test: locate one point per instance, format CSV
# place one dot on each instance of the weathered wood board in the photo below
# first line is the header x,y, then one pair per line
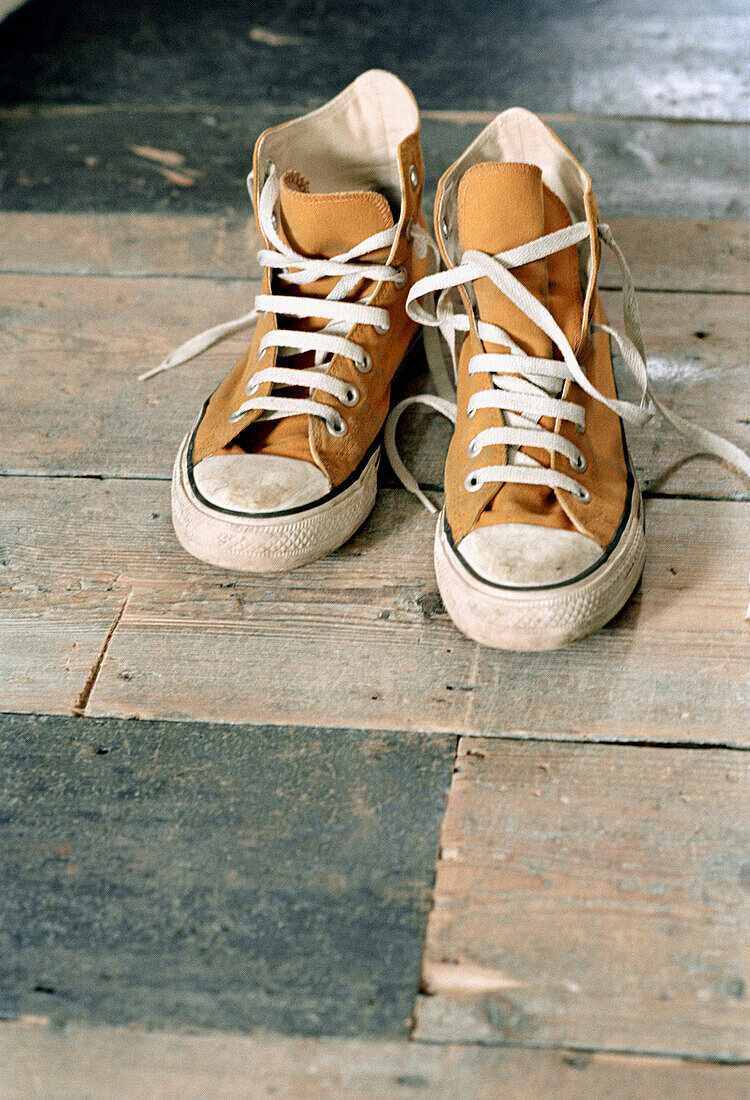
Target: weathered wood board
x,y
663,254
49,1063
632,863
234,878
71,349
367,627
673,666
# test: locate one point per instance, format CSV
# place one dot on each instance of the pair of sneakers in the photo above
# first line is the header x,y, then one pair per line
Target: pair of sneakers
x,y
541,539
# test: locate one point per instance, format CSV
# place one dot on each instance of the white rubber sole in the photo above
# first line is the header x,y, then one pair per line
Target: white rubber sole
x,y
268,544
541,618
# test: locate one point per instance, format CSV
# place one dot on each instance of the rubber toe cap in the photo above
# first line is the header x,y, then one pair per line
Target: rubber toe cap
x,y
521,555
259,483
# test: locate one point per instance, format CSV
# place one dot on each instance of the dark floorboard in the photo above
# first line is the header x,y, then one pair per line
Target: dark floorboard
x,y
184,874
679,58
82,162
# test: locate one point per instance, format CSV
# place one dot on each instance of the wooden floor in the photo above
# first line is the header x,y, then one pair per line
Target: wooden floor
x,y
297,836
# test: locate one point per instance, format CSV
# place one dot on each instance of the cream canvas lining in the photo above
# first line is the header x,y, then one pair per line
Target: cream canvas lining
x,y
351,143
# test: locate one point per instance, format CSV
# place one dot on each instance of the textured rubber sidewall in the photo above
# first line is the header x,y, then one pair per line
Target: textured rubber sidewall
x,y
268,544
546,618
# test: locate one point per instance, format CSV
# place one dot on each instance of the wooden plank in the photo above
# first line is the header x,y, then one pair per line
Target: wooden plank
x,y
210,246
361,638
180,875
47,1063
626,57
681,255
71,349
68,159
48,653
592,896
662,254
54,623
672,666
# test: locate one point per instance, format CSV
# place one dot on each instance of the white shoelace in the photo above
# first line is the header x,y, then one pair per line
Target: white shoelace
x,y
292,267
524,387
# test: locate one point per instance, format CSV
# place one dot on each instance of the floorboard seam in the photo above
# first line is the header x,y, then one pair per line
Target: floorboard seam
x,y
624,1052
64,476
633,742
177,275
473,673
428,486
79,708
433,894
192,276
32,110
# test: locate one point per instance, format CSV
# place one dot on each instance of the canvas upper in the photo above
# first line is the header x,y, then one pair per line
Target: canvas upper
x,y
514,185
346,172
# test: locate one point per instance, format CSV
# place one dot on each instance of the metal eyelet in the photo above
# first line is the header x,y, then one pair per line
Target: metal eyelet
x,y
409,231
414,176
252,387
382,329
337,427
351,397
579,462
581,494
471,483
401,276
366,365
472,450
444,227
470,414
235,416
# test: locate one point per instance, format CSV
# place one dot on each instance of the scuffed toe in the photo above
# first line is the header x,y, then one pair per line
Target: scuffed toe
x,y
521,555
259,483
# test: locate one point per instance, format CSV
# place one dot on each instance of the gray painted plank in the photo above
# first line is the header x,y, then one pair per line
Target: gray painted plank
x,y
679,58
49,1063
176,875
81,159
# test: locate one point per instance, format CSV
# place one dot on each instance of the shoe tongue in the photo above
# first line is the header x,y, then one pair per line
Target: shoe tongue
x,y
502,206
328,224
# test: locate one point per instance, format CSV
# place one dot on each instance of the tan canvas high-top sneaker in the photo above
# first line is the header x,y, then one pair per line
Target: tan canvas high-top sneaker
x,y
541,540
281,467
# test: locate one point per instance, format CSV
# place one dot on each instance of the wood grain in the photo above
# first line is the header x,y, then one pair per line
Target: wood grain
x,y
53,627
673,666
46,1063
361,638
633,864
71,348
662,254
